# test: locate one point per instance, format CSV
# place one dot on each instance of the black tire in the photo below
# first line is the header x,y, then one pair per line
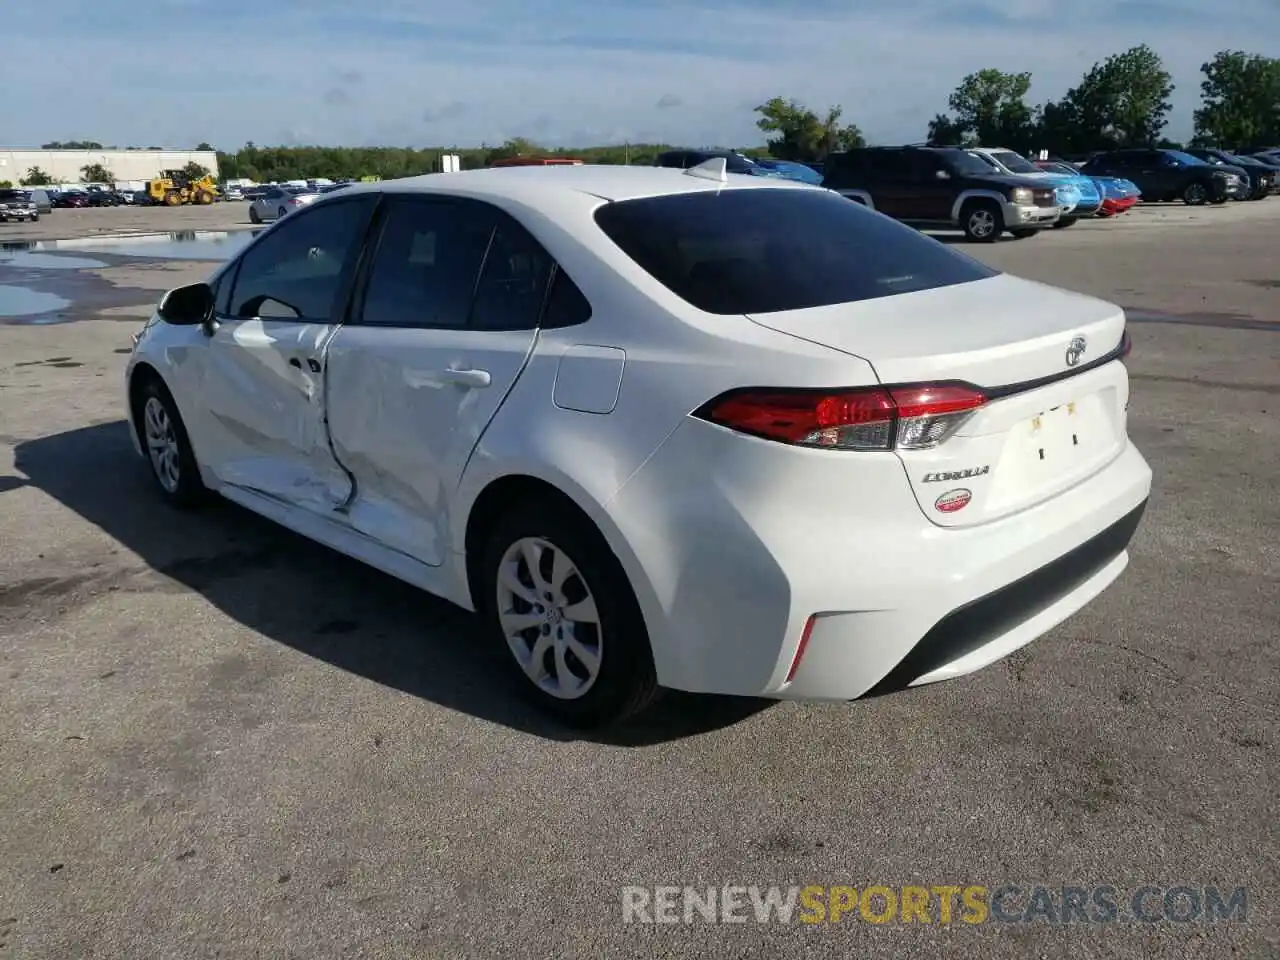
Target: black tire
x,y
982,221
1023,234
1195,194
626,682
189,491
1065,222
281,212
253,215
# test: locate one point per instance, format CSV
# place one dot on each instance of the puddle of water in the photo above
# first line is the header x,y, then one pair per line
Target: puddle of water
x,y
183,245
46,261
21,302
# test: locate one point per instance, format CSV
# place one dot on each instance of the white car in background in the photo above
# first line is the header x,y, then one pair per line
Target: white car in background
x,y
660,428
277,202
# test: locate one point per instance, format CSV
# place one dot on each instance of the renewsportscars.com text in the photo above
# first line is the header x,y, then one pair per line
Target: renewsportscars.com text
x,y
971,905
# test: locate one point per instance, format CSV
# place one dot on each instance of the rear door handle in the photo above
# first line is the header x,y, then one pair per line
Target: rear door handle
x,y
466,378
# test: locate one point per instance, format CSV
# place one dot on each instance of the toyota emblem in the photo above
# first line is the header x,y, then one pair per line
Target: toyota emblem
x,y
1075,350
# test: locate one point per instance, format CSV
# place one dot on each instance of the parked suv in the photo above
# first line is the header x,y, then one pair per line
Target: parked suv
x,y
943,187
1167,175
17,205
734,162
1261,176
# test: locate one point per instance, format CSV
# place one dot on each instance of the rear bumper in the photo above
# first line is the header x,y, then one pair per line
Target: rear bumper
x,y
740,541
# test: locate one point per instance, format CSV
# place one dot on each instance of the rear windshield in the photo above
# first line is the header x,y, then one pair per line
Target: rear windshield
x,y
768,250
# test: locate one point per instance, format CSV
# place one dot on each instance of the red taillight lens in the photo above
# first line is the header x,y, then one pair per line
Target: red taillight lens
x,y
873,418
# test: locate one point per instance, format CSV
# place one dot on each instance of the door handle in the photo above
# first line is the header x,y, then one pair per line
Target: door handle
x,y
312,364
466,378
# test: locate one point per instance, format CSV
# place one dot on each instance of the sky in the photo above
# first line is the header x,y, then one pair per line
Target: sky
x,y
560,72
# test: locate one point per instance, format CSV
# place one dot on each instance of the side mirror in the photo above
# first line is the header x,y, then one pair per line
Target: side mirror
x,y
942,175
187,306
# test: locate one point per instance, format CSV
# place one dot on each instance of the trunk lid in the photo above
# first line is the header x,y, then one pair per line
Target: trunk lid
x,y
1041,432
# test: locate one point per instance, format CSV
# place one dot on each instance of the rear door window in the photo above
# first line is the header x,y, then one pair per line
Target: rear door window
x,y
427,263
773,249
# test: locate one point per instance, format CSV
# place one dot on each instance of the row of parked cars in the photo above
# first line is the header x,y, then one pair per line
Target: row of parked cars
x,y
988,191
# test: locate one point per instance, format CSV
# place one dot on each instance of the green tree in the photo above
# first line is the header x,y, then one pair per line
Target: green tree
x,y
36,178
194,171
5,184
801,134
515,147
1123,101
990,110
72,145
204,146
96,173
1241,100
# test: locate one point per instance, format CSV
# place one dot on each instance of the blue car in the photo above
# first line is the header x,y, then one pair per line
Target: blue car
x,y
790,170
1076,192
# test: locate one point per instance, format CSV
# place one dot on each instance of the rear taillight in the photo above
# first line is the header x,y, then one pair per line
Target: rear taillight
x,y
872,418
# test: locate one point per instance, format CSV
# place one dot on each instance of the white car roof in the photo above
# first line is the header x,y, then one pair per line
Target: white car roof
x,y
605,181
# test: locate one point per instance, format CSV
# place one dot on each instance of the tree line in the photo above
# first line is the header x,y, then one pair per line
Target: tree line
x,y
1121,101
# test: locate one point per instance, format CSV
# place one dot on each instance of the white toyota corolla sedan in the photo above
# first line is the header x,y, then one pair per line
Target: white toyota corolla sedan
x,y
660,428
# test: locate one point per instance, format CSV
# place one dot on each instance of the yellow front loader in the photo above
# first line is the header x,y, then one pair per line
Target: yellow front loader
x,y
173,188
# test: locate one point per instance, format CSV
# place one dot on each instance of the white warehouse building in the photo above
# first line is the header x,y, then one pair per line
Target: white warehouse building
x,y
64,166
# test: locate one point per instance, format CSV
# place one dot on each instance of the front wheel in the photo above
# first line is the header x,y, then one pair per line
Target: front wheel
x,y
281,212
168,448
565,617
254,216
982,221
1065,222
1195,194
1023,234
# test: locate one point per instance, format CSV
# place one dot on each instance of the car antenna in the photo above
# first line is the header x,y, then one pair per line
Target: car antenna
x,y
717,168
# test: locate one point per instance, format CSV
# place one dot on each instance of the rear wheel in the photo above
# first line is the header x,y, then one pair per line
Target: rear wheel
x,y
1065,222
982,221
1023,234
559,605
254,217
1195,194
281,212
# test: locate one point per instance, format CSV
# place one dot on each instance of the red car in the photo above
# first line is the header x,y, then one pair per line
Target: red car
x,y
72,198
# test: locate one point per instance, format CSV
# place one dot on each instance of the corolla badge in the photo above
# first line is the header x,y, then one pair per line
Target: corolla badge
x,y
1075,350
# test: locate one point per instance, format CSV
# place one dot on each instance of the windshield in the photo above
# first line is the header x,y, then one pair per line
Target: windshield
x,y
1013,162
1186,158
768,250
964,162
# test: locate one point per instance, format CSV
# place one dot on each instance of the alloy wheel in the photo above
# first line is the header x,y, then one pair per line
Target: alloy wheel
x,y
162,444
981,223
549,618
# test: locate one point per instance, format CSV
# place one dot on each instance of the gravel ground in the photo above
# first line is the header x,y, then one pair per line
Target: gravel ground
x,y
218,740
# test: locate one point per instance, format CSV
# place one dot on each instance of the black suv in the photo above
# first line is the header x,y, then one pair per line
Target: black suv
x,y
684,159
1167,175
1262,177
943,187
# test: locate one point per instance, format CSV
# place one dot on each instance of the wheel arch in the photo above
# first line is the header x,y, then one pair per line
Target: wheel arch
x,y
968,196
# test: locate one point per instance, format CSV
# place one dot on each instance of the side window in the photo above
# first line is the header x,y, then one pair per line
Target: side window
x,y
295,271
566,304
427,263
916,166
513,283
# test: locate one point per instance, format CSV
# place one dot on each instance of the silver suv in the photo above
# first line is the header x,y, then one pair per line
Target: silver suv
x,y
17,205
